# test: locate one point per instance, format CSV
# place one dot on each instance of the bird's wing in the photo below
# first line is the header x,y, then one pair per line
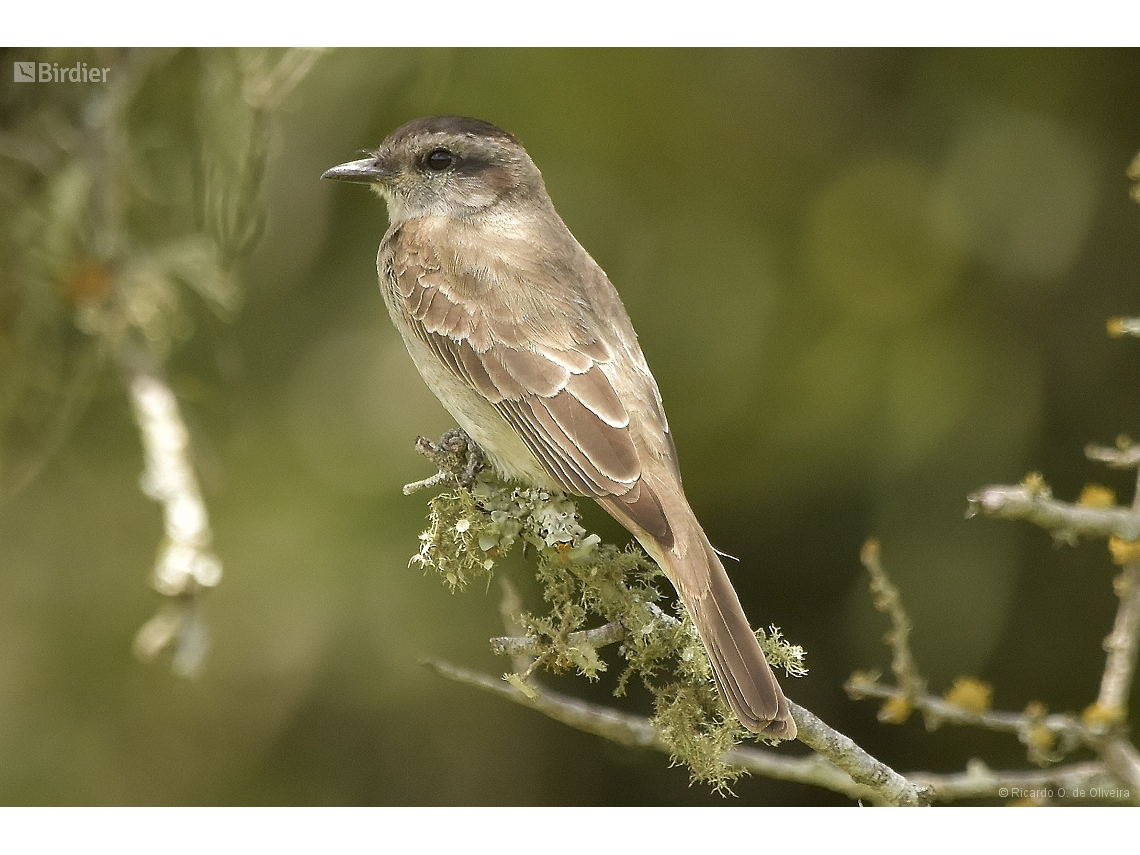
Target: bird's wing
x,y
534,354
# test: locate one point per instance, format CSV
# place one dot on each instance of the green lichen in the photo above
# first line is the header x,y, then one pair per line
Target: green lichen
x,y
586,583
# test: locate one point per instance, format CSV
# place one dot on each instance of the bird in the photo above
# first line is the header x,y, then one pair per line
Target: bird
x,y
525,341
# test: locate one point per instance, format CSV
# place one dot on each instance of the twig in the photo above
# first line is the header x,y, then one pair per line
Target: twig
x,y
1033,503
1121,647
427,483
1122,759
1118,327
185,563
528,645
887,600
599,636
1070,729
1089,780
1124,455
1122,643
1102,728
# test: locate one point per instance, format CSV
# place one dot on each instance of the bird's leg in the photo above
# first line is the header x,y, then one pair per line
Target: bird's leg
x,y
456,455
476,462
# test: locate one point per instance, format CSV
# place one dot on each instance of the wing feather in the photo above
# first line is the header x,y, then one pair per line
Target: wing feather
x,y
539,366
594,390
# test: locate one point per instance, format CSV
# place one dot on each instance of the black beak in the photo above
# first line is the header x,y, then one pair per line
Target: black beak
x,y
370,170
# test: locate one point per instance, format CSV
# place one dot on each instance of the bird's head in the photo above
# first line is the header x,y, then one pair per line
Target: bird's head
x,y
445,166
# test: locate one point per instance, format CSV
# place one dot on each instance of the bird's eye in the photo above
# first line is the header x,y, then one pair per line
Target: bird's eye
x,y
439,160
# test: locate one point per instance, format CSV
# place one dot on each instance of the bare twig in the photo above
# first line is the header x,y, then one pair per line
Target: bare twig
x,y
1121,647
1121,643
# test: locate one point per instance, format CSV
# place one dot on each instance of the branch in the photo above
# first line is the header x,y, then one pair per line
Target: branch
x,y
1033,501
862,767
1118,327
1090,780
1123,455
1103,726
599,636
185,564
938,711
1122,643
887,599
860,775
1121,758
879,784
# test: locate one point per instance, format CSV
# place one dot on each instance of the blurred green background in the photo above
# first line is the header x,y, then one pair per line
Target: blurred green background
x,y
867,281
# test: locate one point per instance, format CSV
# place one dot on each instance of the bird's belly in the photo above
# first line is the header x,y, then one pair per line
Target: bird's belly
x,y
504,448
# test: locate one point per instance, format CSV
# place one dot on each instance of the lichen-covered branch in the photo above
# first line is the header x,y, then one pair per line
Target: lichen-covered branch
x,y
1067,784
879,784
599,636
862,775
1033,726
887,599
471,529
1048,737
1033,501
1103,725
1122,643
841,750
1088,781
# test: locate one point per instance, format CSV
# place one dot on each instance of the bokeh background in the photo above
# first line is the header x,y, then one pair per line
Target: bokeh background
x,y
867,281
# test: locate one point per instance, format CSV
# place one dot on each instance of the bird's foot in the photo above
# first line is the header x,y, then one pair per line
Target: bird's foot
x,y
456,455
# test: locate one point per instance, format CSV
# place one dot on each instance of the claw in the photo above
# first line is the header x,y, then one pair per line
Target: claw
x,y
456,455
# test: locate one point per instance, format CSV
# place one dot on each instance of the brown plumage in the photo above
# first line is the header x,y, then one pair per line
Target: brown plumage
x,y
524,340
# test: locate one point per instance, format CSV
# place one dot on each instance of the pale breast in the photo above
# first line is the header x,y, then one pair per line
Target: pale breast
x,y
504,448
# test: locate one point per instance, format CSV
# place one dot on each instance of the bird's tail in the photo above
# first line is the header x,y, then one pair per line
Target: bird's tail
x,y
745,679
692,565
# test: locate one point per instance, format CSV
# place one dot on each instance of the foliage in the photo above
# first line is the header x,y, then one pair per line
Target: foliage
x,y
122,206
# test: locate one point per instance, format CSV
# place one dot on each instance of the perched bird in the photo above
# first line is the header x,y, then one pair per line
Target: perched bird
x,y
525,342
